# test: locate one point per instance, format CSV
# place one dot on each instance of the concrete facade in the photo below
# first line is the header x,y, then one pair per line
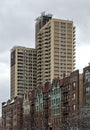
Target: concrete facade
x,y
55,44
23,70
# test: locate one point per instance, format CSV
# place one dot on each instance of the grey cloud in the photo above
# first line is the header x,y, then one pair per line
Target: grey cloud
x,y
4,85
4,57
17,18
16,27
4,93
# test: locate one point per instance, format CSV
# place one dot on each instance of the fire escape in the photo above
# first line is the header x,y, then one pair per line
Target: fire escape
x,y
19,117
32,113
46,110
46,107
65,107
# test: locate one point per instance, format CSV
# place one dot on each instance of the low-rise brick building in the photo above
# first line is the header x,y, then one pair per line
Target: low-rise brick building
x,y
52,106
12,114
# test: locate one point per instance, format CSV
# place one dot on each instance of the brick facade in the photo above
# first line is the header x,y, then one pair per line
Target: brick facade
x,y
51,106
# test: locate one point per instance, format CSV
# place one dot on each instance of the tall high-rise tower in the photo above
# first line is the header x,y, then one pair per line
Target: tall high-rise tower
x,y
23,70
55,44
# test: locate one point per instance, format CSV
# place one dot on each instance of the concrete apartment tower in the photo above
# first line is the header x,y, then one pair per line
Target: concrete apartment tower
x,y
23,70
55,44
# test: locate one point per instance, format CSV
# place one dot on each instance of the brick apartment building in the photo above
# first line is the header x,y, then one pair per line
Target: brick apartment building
x,y
51,106
70,99
12,114
84,116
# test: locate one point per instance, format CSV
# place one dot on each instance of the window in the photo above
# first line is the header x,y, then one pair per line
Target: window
x,y
73,96
87,90
37,108
73,85
87,76
74,107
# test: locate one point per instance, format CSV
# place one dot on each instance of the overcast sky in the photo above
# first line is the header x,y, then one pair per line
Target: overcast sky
x,y
17,20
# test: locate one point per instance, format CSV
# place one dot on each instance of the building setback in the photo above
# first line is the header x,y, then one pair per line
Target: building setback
x,y
23,70
55,45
